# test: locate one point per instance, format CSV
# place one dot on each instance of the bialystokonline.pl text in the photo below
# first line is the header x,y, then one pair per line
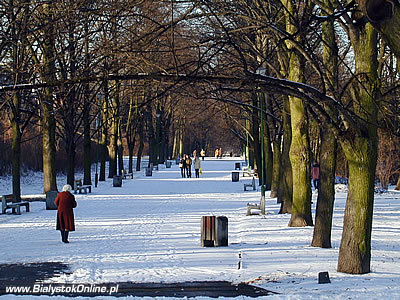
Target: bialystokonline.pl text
x,y
54,289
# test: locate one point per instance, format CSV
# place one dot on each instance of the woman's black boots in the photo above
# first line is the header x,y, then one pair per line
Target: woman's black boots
x,y
64,236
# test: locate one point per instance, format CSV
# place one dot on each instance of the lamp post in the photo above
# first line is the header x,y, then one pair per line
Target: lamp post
x,y
261,71
158,128
96,175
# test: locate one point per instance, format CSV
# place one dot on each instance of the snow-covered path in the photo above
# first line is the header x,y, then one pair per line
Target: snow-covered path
x,y
148,230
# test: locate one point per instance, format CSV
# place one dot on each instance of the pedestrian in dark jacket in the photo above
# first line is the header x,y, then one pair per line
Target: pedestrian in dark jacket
x,y
182,165
65,203
188,166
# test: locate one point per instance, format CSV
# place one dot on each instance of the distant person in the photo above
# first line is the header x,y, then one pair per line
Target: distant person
x,y
197,166
216,153
220,152
202,154
194,153
188,161
182,165
315,172
65,203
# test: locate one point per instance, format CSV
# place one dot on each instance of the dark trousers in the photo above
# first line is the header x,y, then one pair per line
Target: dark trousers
x,y
316,183
197,171
189,171
183,172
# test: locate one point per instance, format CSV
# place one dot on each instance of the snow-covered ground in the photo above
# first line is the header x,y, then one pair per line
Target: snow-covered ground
x,y
148,230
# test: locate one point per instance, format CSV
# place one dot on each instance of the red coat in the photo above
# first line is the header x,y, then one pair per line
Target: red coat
x,y
315,172
65,203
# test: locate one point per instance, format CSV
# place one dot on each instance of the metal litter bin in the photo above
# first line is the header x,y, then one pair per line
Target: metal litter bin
x,y
117,181
214,231
50,198
235,176
149,171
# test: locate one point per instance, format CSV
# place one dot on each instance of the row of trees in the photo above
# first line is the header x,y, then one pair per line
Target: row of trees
x,y
295,81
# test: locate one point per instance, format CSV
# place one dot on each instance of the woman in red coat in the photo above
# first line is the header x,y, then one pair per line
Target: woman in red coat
x,y
65,203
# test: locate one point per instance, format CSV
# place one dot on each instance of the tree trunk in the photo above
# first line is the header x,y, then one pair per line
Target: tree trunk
x,y
327,161
141,144
268,158
87,149
300,147
326,191
114,135
70,148
299,154
16,147
120,151
104,135
360,146
285,191
48,121
384,15
276,166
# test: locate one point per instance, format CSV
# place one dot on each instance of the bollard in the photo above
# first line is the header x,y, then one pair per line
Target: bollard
x,y
237,166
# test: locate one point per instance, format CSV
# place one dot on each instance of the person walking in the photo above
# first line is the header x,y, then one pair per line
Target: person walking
x,y
182,165
197,166
188,166
202,154
315,172
65,203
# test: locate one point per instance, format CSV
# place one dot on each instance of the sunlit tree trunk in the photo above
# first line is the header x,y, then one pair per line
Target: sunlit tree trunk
x,y
360,146
48,121
114,133
299,148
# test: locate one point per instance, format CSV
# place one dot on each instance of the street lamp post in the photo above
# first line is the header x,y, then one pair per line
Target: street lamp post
x,y
96,175
261,71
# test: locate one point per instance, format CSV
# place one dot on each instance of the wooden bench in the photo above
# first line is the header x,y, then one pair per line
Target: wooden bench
x,y
260,207
82,189
247,172
250,185
126,175
9,201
